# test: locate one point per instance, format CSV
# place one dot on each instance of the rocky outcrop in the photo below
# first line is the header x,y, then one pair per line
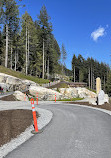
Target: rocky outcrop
x,y
69,92
20,96
11,83
77,92
84,92
44,93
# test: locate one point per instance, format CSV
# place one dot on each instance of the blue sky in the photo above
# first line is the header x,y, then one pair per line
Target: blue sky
x,y
84,26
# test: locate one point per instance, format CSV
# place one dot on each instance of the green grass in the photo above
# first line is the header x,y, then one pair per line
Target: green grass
x,y
92,90
73,99
60,85
22,76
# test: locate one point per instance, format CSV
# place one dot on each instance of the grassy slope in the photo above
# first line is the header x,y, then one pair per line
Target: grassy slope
x,y
22,76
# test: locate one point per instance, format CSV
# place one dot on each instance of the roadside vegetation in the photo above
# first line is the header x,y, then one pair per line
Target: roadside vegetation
x,y
92,90
72,99
59,85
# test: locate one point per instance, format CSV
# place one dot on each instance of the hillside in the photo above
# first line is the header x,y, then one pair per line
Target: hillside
x,y
22,76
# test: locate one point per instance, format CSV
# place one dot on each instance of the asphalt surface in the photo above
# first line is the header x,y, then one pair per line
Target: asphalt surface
x,y
74,132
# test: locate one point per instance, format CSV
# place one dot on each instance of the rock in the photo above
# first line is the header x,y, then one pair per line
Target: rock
x,y
101,97
20,96
29,83
69,92
2,79
15,83
84,93
44,93
5,87
98,85
106,98
92,101
77,92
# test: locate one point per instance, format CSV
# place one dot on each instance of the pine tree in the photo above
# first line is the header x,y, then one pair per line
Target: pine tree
x,y
9,17
45,30
63,57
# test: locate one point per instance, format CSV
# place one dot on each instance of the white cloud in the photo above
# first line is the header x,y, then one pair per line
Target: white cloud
x,y
98,33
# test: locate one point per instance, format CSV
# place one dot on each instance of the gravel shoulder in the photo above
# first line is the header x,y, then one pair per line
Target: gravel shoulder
x,y
43,120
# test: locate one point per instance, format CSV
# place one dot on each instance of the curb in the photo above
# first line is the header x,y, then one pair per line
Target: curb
x,y
94,108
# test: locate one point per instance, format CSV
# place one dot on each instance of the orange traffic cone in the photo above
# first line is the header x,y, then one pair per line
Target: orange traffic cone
x,y
55,97
25,97
34,118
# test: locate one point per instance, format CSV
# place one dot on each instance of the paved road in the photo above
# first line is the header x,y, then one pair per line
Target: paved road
x,y
75,132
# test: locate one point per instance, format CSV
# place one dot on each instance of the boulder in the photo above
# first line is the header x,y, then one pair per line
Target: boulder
x,y
102,98
20,96
44,93
29,83
5,87
106,98
69,92
13,81
2,78
84,92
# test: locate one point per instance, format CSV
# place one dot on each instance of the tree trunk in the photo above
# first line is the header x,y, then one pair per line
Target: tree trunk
x,y
45,66
26,50
48,68
6,53
15,60
93,81
74,73
89,78
79,75
104,83
43,61
11,58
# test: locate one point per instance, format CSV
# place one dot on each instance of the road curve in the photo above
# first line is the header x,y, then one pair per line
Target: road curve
x,y
74,132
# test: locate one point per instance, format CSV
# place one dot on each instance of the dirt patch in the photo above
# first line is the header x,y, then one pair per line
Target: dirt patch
x,y
12,97
13,123
9,98
104,106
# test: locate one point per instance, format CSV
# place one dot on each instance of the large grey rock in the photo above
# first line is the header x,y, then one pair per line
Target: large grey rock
x,y
20,96
5,87
29,83
106,98
13,81
44,93
101,97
